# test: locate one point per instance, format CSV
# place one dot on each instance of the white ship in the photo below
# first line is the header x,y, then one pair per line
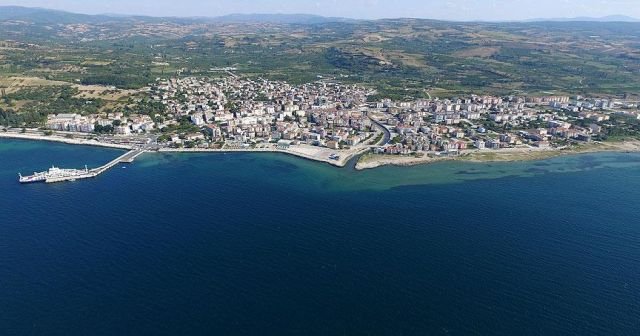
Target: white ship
x,y
55,174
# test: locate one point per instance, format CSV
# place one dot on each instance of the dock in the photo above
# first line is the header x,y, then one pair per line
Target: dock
x,y
128,157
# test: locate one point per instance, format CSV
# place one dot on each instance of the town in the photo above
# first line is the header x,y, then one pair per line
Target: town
x,y
333,122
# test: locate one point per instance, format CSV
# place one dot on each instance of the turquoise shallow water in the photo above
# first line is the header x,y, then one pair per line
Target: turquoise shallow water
x,y
262,244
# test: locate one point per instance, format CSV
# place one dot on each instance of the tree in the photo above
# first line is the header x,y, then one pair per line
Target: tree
x,y
102,129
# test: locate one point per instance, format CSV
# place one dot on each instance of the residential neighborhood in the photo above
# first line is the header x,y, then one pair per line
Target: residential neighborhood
x,y
232,112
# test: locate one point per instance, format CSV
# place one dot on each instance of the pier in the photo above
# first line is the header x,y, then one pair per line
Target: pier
x,y
72,175
128,157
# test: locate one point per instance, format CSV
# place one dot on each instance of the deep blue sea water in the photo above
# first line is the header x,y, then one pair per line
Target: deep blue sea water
x,y
266,244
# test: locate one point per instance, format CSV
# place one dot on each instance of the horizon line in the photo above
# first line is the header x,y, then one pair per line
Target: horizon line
x,y
629,19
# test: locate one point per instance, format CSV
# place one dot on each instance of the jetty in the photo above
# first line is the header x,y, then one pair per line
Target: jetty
x,y
128,157
55,175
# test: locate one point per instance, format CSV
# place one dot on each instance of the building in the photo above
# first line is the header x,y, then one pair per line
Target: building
x,y
333,144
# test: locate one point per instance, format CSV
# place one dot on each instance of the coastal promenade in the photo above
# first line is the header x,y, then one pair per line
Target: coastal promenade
x,y
338,158
305,152
56,138
334,157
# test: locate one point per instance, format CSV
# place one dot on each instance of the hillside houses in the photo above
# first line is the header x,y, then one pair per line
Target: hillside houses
x,y
90,123
492,123
252,111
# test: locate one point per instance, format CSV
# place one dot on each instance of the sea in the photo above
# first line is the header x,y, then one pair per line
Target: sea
x,y
271,244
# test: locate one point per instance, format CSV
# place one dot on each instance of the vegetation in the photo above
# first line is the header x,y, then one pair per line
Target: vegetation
x,y
103,129
39,102
401,59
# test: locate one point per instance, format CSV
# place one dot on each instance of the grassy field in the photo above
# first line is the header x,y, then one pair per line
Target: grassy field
x,y
14,83
401,58
109,61
27,101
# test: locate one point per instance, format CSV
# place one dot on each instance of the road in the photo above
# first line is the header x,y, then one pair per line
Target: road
x,y
387,135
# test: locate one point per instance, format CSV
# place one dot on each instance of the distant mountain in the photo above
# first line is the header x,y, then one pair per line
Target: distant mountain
x,y
50,16
278,18
610,18
42,15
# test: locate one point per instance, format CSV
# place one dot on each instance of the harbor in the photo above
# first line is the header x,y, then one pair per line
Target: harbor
x,y
56,175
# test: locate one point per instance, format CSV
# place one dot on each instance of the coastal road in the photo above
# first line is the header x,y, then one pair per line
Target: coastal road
x,y
386,134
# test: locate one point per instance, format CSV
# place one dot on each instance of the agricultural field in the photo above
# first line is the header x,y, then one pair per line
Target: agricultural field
x,y
110,59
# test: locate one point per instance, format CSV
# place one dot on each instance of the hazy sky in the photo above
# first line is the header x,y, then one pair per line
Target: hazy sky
x,y
436,9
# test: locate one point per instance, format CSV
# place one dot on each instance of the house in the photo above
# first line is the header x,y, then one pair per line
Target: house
x,y
197,119
542,144
493,144
194,136
353,140
333,144
123,130
507,138
213,131
461,144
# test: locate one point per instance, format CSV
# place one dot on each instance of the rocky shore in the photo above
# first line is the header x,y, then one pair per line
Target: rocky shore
x,y
370,161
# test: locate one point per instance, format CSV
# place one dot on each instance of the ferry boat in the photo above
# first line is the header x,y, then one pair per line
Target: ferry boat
x,y
36,177
54,174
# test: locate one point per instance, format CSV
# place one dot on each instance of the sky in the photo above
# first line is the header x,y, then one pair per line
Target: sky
x,y
462,10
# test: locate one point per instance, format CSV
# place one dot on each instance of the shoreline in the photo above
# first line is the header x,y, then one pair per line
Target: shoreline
x,y
369,160
55,138
294,151
372,161
342,162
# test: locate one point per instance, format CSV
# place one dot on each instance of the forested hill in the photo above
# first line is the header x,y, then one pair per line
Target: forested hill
x,y
402,57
